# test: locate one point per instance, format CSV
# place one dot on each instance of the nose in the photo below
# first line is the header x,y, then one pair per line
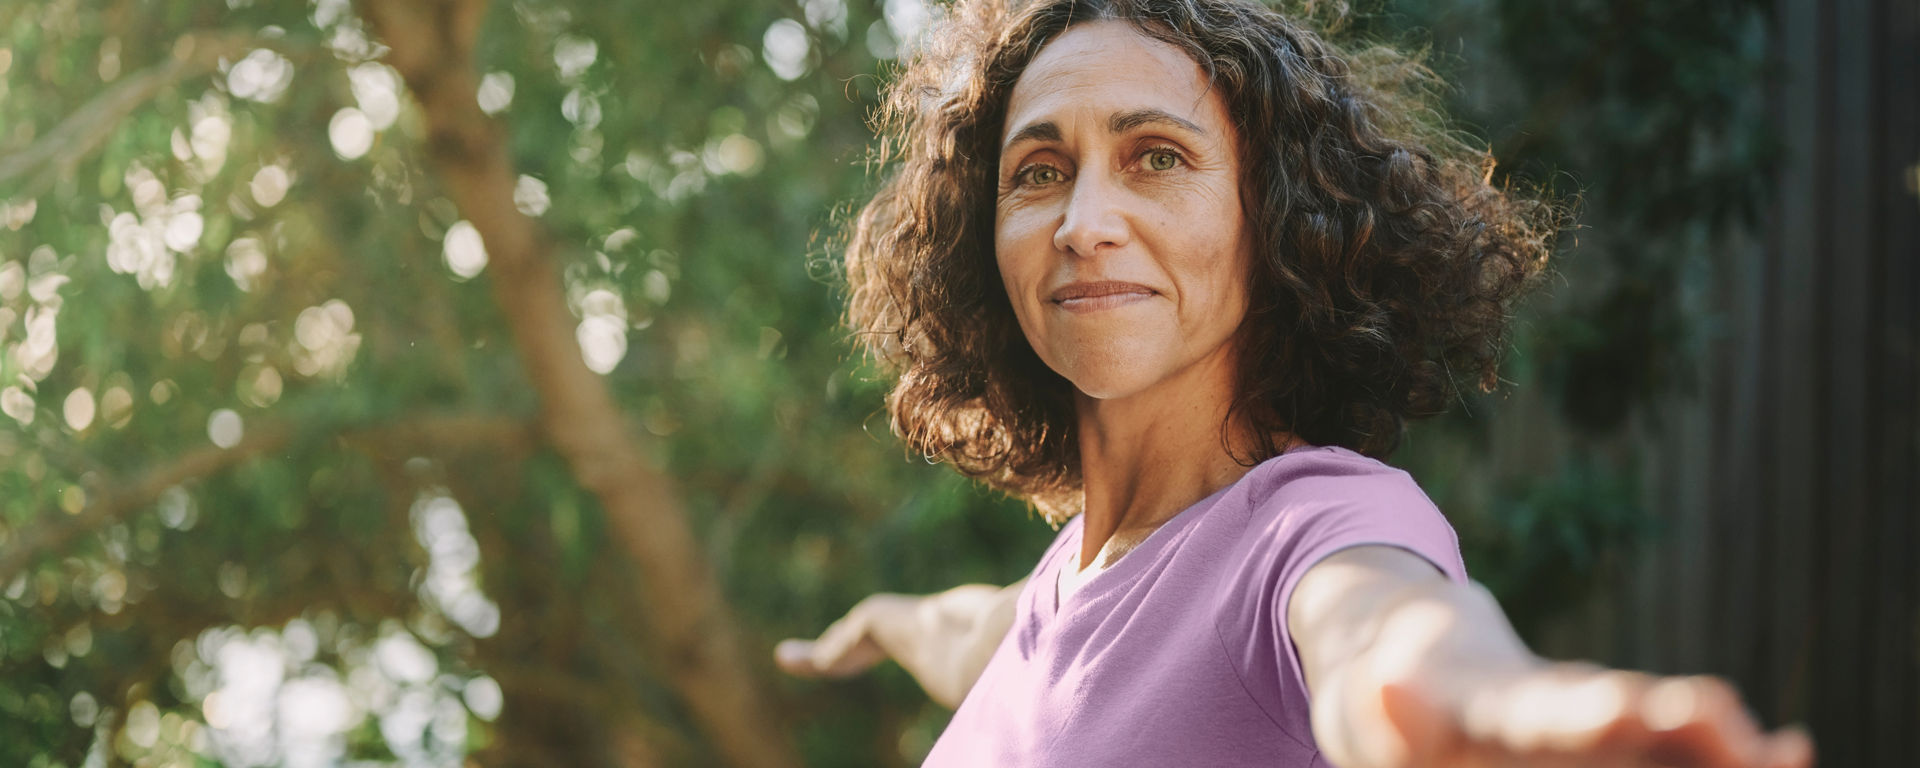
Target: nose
x,y
1095,217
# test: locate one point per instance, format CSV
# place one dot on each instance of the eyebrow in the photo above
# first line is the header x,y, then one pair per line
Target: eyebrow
x,y
1120,122
1042,131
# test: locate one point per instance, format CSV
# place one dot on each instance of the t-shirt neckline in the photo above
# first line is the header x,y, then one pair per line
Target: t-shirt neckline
x,y
1133,559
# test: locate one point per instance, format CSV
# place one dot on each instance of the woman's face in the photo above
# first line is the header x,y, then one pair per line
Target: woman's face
x,y
1118,228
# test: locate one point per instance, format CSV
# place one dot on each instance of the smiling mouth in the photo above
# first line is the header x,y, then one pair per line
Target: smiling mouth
x,y
1089,297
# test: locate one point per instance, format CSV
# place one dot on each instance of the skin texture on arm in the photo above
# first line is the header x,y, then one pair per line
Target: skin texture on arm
x,y
1406,669
944,639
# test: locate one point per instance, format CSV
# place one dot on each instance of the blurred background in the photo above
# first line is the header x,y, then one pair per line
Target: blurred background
x,y
434,382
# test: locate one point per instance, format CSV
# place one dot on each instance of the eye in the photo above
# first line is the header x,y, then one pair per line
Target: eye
x,y
1038,175
1162,159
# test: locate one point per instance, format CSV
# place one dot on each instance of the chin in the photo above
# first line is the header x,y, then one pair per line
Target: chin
x,y
1109,380
1105,366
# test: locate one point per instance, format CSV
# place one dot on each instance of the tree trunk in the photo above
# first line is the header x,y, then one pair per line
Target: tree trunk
x,y
432,45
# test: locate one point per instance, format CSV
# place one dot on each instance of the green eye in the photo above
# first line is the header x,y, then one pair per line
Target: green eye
x,y
1040,174
1162,160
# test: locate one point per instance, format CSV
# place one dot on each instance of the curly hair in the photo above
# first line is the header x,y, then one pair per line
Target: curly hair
x,y
1384,270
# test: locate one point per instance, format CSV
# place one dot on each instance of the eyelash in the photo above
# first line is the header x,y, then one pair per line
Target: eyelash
x,y
1022,177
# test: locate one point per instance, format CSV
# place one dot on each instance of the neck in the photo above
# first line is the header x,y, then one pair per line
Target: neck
x,y
1146,457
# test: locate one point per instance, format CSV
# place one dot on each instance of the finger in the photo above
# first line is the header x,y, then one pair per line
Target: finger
x,y
1700,721
795,657
821,656
848,646
1540,721
1791,747
1563,709
854,659
840,637
1572,714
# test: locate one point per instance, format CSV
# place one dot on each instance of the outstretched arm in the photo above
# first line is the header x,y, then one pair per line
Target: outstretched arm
x,y
944,639
1406,669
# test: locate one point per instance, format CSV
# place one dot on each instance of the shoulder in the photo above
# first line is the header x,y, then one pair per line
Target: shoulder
x,y
1309,502
1330,479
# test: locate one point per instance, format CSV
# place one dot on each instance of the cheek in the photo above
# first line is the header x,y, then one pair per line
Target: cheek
x,y
1220,272
1019,252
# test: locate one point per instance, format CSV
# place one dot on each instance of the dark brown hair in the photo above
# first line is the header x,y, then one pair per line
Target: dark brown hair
x,y
1385,264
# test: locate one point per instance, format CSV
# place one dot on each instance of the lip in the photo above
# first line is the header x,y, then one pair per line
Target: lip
x,y
1097,295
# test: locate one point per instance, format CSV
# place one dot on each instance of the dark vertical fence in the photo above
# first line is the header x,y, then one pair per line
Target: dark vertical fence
x,y
1791,558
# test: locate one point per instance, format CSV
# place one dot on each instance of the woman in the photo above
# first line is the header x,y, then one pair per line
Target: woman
x,y
1169,269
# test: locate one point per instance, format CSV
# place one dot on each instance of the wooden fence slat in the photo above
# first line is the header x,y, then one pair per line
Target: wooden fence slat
x,y
1896,699
1792,553
1842,507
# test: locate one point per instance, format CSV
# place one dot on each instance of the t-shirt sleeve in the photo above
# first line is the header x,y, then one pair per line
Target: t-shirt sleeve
x,y
1387,510
1356,502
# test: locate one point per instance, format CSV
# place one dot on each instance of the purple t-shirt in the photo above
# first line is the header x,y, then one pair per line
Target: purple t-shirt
x,y
1178,654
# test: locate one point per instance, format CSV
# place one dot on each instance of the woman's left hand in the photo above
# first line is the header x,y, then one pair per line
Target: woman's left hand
x,y
1576,714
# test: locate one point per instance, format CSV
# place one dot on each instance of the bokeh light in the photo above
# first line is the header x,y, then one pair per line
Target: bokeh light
x,y
602,332
785,47
530,196
376,90
269,185
225,428
496,92
262,76
464,251
79,409
351,133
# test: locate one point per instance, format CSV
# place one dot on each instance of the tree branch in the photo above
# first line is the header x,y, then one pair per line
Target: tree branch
x,y
61,148
111,504
432,47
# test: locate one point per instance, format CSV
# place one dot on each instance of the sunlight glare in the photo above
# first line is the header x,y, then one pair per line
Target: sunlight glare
x,y
602,332
183,224
785,47
246,262
225,428
269,185
324,340
573,55
13,279
530,196
116,407
403,659
79,409
211,136
495,93
826,15
483,697
376,89
908,20
143,724
465,252
351,133
262,76
16,403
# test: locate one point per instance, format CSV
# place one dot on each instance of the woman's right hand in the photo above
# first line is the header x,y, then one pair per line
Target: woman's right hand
x,y
944,640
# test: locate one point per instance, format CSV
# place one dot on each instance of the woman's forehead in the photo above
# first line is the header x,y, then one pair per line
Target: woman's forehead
x,y
1107,68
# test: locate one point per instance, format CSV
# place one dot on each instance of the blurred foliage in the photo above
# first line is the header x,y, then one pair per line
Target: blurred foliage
x,y
267,488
